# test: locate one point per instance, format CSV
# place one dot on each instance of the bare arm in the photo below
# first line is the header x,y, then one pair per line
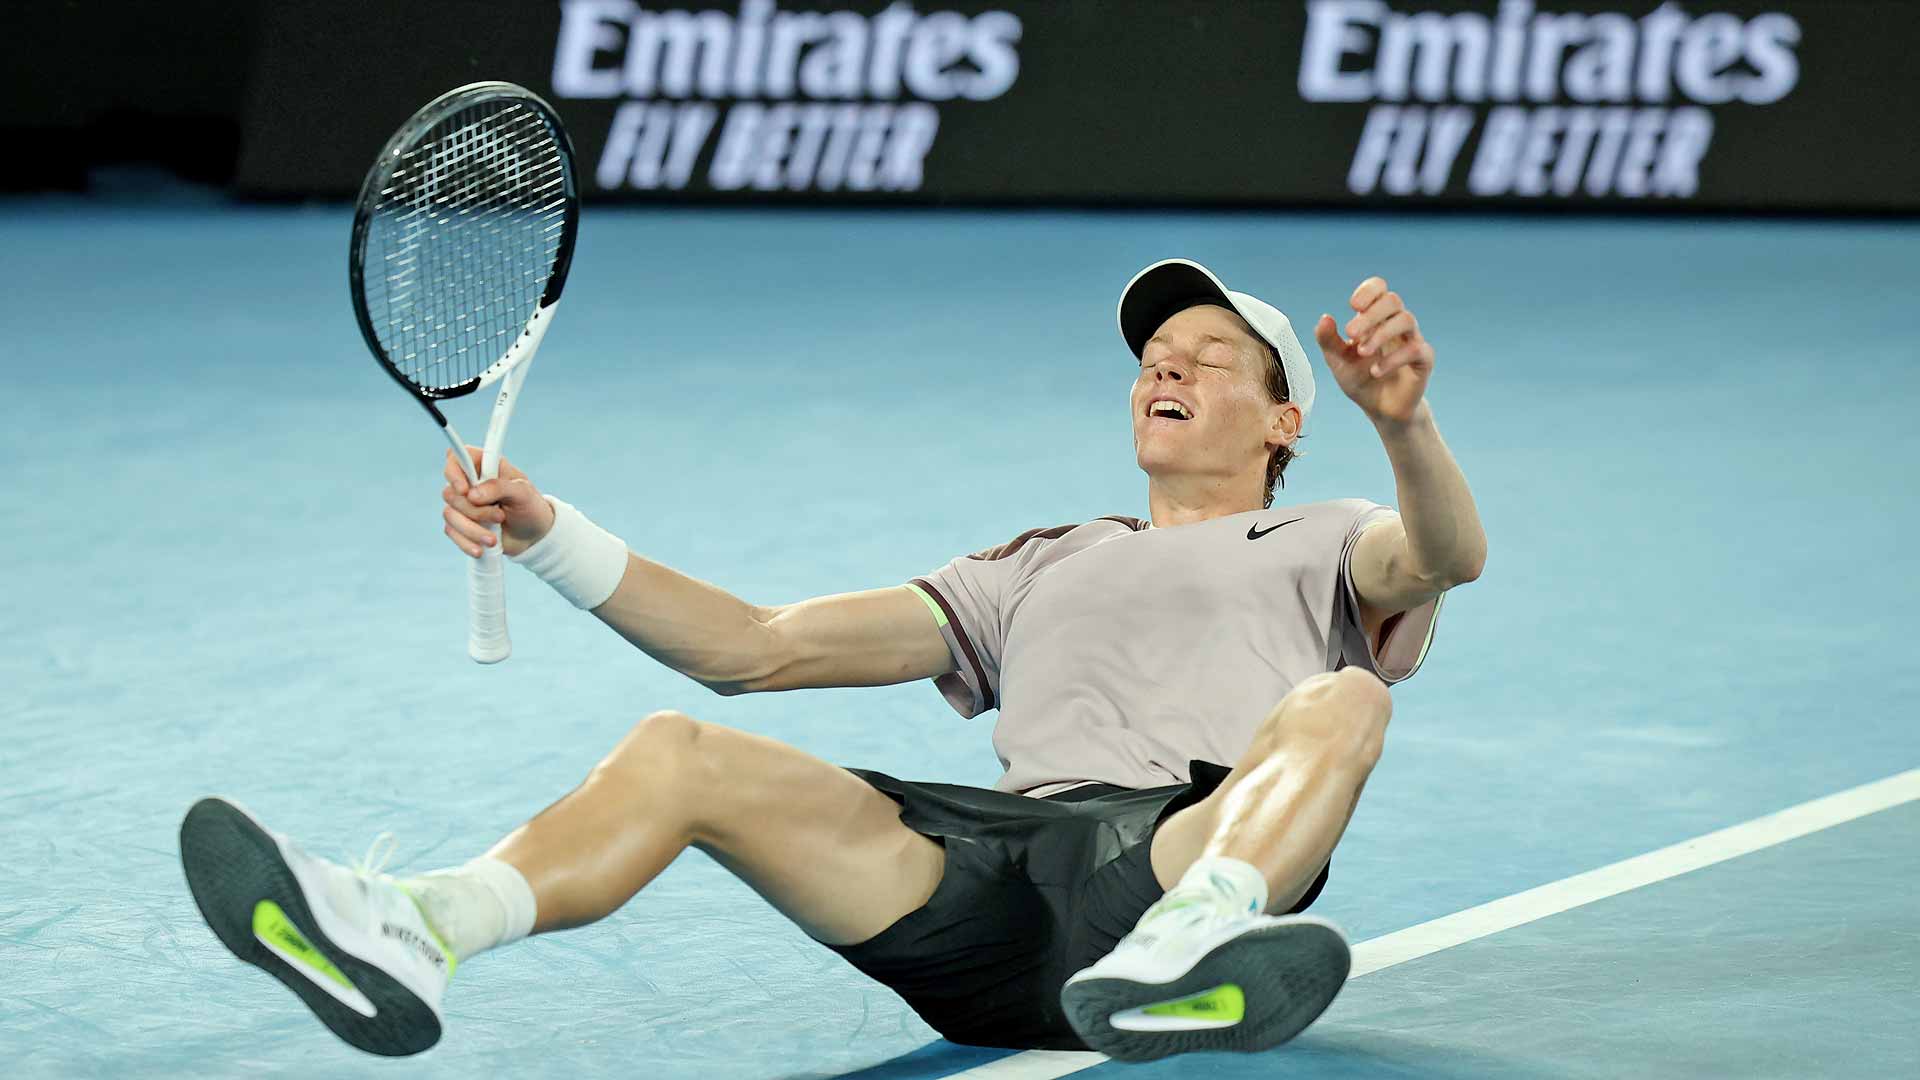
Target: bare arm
x,y
1437,541
852,639
708,634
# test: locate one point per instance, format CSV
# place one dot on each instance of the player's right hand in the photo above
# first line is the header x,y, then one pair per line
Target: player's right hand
x,y
511,502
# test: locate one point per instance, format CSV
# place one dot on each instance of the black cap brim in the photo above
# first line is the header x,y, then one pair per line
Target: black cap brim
x,y
1162,291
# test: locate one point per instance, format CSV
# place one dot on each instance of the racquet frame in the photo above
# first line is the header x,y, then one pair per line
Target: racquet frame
x,y
487,638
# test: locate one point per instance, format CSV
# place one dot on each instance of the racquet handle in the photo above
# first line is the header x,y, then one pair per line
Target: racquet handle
x,y
487,640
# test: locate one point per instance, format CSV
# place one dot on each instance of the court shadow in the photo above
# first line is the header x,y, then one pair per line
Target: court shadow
x,y
1333,1052
1321,1053
936,1059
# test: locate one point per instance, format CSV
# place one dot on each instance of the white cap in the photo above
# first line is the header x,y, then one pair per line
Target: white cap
x,y
1173,285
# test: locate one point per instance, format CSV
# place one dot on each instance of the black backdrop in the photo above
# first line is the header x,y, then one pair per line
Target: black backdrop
x,y
1202,102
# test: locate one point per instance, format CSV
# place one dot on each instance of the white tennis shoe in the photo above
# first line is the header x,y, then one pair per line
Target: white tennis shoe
x,y
1197,974
350,942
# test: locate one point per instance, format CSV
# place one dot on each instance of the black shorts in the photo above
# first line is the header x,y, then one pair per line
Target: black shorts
x,y
1034,890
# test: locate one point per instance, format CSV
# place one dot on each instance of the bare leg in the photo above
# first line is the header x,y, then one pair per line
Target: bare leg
x,y
817,842
1289,798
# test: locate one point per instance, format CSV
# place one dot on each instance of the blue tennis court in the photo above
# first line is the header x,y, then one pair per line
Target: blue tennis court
x,y
1691,441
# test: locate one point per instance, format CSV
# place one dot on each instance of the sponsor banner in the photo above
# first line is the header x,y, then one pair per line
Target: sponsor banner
x,y
1732,105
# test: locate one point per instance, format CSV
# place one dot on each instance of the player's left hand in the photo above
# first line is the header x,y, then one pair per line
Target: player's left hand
x,y
1383,363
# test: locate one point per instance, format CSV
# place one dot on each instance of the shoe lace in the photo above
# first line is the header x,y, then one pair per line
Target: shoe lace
x,y
379,854
1188,907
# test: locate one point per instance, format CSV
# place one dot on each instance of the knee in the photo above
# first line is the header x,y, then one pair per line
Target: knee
x,y
1360,689
1339,715
663,747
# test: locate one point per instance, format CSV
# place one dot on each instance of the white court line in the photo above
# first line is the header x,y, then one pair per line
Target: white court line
x,y
1538,903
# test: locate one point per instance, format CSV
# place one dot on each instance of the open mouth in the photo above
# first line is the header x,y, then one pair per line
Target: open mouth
x,y
1168,409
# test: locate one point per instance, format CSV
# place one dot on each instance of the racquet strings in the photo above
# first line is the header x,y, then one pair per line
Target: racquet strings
x,y
461,241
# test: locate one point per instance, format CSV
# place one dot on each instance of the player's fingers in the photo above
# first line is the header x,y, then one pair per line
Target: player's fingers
x,y
475,456
506,471
456,476
515,496
1327,333
464,528
510,495
1384,307
1399,325
465,545
1411,351
518,493
459,504
1367,292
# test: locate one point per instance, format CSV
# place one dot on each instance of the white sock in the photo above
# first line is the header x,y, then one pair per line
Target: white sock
x,y
482,905
1233,880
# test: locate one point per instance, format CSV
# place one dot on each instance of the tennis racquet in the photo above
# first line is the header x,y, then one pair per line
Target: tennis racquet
x,y
461,243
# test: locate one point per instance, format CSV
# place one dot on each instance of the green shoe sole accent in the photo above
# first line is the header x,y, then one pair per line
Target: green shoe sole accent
x,y
232,865
1287,972
272,927
1224,1004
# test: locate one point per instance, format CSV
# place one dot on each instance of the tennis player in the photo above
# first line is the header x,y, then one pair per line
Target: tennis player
x,y
1189,707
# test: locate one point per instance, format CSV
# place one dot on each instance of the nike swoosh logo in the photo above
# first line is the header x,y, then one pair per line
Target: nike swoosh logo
x,y
1255,532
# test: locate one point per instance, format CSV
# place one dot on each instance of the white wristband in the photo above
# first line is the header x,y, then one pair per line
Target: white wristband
x,y
582,561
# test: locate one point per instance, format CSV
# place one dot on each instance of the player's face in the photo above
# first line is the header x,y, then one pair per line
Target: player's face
x,y
1200,403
